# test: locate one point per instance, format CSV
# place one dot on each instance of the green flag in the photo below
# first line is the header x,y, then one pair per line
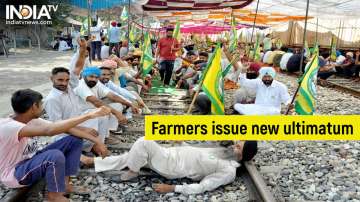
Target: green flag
x,y
133,34
333,48
177,33
146,58
213,83
256,55
305,99
84,27
124,14
233,36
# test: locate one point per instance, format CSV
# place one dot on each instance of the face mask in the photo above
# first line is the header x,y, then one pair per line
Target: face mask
x,y
267,82
251,75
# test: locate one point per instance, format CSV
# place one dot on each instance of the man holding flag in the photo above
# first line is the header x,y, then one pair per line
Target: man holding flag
x,y
305,95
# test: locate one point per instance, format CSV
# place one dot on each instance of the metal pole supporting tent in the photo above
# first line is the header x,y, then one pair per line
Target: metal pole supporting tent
x,y
304,36
302,57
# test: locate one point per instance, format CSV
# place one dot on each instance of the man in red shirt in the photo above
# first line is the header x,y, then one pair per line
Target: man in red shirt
x,y
166,51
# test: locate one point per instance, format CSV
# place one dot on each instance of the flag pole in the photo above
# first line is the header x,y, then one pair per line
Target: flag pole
x,y
317,26
253,27
88,22
302,58
200,86
128,21
304,36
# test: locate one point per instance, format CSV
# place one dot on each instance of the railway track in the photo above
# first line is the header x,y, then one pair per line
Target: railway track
x,y
251,184
338,83
343,85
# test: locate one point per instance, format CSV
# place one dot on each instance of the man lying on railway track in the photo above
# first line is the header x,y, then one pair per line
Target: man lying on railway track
x,y
22,163
213,167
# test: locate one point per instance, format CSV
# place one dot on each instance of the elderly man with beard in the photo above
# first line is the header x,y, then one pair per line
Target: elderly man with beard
x,y
91,93
131,96
270,94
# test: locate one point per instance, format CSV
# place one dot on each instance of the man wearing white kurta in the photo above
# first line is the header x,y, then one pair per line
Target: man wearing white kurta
x,y
62,104
270,94
213,167
91,92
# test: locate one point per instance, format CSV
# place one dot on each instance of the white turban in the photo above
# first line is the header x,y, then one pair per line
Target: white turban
x,y
267,71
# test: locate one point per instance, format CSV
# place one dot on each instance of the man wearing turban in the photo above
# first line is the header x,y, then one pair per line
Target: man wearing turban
x,y
270,94
247,95
92,92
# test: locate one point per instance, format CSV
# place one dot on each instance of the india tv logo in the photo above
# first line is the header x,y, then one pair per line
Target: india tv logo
x,y
35,14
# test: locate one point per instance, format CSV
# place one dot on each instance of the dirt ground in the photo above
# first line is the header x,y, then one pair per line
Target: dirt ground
x,y
29,69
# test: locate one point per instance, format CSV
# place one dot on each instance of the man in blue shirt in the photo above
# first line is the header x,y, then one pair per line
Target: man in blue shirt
x,y
114,38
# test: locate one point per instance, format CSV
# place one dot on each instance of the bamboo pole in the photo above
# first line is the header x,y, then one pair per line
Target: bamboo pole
x,y
200,86
253,27
302,58
304,36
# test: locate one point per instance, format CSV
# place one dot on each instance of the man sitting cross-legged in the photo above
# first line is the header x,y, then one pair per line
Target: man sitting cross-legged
x,y
213,167
22,163
92,94
62,103
132,96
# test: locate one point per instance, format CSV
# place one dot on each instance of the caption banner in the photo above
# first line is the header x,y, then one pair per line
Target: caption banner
x,y
190,127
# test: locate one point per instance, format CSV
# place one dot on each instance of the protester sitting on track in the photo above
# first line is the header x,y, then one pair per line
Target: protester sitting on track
x,y
93,93
128,77
124,49
326,69
23,163
270,94
270,59
356,68
293,64
339,58
104,49
247,95
132,96
345,69
213,167
63,45
62,103
284,60
266,56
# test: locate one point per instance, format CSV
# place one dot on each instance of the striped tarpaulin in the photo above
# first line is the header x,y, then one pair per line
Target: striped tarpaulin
x,y
155,5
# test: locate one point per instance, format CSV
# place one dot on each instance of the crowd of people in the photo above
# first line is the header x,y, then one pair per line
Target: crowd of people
x,y
89,105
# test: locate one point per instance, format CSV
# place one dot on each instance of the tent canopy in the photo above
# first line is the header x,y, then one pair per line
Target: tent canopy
x,y
323,9
156,5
